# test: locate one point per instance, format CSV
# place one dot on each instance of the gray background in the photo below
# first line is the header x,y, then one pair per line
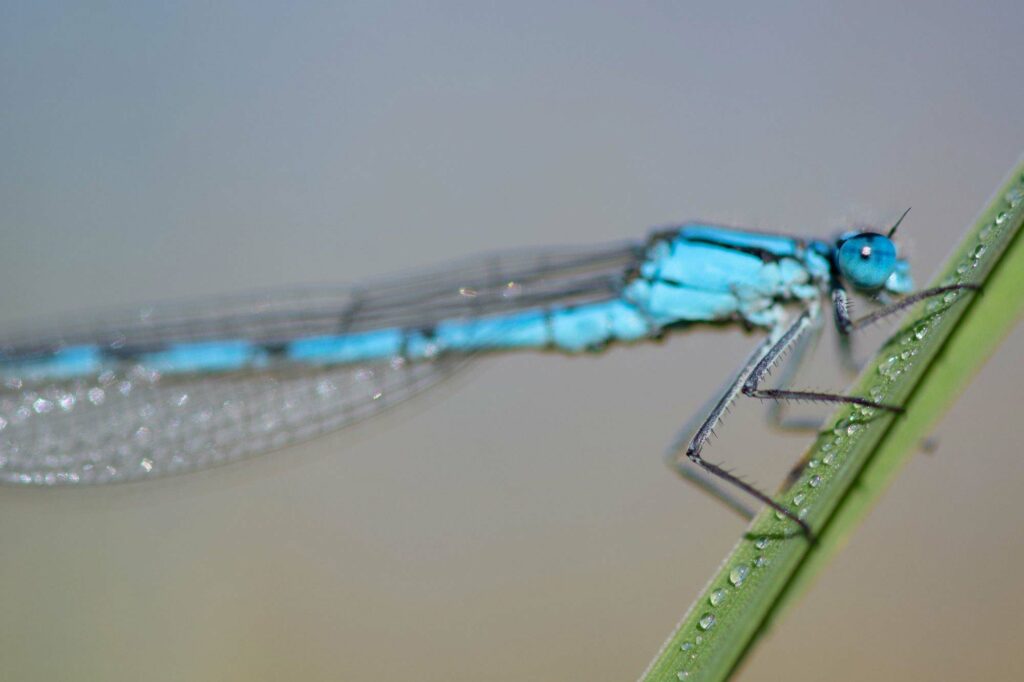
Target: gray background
x,y
517,524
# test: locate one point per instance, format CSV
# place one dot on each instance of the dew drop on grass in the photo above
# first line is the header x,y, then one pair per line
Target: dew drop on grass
x,y
739,574
888,367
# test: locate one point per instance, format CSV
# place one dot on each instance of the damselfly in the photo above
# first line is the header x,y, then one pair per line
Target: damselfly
x,y
175,388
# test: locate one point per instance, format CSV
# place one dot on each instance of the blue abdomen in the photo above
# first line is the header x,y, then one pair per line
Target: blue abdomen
x,y
698,274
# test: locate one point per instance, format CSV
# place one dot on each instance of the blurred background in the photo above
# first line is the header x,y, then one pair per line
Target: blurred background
x,y
516,523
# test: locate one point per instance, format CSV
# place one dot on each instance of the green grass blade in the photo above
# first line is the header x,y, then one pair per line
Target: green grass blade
x,y
924,367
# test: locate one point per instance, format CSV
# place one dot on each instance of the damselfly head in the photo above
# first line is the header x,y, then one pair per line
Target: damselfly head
x,y
868,261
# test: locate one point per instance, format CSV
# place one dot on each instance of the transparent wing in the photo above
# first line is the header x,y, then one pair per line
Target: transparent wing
x,y
131,422
485,285
135,424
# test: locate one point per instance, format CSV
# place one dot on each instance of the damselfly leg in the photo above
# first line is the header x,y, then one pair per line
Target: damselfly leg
x,y
798,336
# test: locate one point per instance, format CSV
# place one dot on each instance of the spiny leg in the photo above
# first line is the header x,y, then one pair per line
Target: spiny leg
x,y
910,300
796,337
846,324
799,350
710,485
776,408
841,315
718,407
698,477
751,386
757,368
748,382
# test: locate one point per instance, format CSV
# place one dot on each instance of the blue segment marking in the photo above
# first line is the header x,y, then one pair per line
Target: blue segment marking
x,y
66,363
347,348
521,330
591,326
214,356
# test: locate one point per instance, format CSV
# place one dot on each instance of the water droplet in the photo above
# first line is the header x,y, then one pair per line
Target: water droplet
x,y
813,464
888,367
739,574
698,639
814,482
143,435
978,252
920,331
1014,197
146,464
686,646
1001,218
761,561
827,446
682,675
827,459
799,498
762,543
852,429
985,232
706,622
949,297
962,268
717,597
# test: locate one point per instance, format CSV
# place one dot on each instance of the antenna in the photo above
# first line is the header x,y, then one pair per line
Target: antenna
x,y
892,230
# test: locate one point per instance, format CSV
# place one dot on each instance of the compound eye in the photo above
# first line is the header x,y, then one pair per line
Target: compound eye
x,y
866,260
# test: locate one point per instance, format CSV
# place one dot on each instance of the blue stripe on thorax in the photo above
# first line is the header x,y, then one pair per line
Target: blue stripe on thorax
x,y
775,244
